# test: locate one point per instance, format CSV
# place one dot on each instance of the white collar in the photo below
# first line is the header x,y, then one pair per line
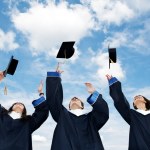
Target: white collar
x,y
143,111
77,112
15,115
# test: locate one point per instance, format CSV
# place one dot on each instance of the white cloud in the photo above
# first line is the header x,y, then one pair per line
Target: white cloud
x,y
141,91
115,131
117,39
136,40
7,41
111,12
46,26
139,6
115,69
140,39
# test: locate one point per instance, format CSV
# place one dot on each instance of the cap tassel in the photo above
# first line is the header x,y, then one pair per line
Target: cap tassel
x,y
5,90
111,61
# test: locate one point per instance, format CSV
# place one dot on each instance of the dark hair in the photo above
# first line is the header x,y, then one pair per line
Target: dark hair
x,y
24,112
147,104
82,104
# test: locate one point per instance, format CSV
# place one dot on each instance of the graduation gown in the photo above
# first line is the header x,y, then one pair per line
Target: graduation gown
x,y
74,132
139,136
15,134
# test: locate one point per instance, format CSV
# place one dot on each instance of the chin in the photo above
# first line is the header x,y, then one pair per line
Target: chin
x,y
74,106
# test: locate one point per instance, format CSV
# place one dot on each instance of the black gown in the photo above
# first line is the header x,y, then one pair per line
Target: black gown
x,y
74,132
15,134
139,136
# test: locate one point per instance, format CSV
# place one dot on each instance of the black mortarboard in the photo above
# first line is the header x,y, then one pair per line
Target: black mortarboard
x,y
112,55
12,65
66,50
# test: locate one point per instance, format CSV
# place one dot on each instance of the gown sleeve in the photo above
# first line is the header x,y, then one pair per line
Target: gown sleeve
x,y
120,101
2,109
40,114
100,113
54,94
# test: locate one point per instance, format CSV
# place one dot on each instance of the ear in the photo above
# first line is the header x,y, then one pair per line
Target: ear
x,y
134,106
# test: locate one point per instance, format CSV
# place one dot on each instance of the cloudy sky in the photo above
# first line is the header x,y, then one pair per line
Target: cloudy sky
x,y
33,30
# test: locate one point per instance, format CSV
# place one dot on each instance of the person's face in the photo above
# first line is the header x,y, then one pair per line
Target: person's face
x,y
75,103
18,107
139,102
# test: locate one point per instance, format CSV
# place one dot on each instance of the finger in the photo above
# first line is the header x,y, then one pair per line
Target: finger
x,y
87,83
109,76
61,72
42,83
57,68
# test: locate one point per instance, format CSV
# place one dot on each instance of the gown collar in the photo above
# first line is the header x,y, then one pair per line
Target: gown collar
x,y
77,112
143,111
15,115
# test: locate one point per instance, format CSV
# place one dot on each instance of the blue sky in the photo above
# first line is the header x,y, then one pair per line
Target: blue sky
x,y
32,31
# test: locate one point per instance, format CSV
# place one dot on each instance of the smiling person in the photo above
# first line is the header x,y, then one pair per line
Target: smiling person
x,y
16,127
75,130
138,118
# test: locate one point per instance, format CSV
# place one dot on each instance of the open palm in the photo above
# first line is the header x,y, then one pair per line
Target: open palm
x,y
90,88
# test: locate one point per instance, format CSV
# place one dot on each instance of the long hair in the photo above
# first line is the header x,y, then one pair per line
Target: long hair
x,y
24,112
147,104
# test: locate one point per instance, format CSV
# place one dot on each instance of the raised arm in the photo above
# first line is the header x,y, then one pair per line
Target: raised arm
x,y
41,110
54,94
40,114
100,113
120,101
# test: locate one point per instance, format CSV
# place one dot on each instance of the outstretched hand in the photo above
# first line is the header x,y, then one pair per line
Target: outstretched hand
x,y
90,88
40,88
58,68
108,76
1,75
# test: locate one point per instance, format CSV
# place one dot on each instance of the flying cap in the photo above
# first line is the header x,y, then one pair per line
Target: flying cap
x,y
11,68
66,50
112,55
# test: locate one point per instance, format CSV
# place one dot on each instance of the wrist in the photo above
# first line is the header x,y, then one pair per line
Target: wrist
x,y
41,94
112,81
53,74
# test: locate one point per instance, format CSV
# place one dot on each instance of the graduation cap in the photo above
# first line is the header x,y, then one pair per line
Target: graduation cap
x,y
112,55
66,50
11,68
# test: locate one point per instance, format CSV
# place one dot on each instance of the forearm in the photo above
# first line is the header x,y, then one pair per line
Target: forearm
x,y
99,104
40,114
100,112
116,91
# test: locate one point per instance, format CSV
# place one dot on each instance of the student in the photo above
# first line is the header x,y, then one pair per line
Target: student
x,y
138,118
16,127
75,130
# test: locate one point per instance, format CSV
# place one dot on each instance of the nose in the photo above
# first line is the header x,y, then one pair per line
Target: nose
x,y
74,99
